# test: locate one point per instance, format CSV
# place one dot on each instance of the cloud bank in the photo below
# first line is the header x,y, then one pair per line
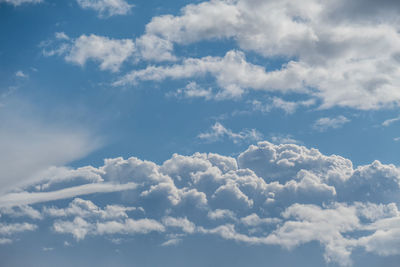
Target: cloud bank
x,y
285,195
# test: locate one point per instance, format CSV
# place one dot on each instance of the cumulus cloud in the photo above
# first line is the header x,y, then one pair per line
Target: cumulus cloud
x,y
9,229
342,59
193,90
86,208
21,211
325,123
106,8
218,132
232,73
284,195
79,227
110,53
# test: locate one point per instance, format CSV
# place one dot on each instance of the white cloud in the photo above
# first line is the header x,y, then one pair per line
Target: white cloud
x,y
221,214
30,146
20,2
323,225
218,132
21,211
106,8
193,90
232,73
25,198
390,121
86,208
80,227
342,59
171,242
285,195
152,47
183,223
9,229
110,53
288,107
21,74
61,36
325,123
254,220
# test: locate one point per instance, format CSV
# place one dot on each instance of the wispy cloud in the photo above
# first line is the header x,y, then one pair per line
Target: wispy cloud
x,y
106,8
390,121
326,123
218,132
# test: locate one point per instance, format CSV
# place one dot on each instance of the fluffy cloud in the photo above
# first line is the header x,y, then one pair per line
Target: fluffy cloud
x,y
110,53
106,8
9,229
342,59
232,72
285,195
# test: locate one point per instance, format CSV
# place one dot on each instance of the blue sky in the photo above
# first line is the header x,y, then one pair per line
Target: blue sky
x,y
201,133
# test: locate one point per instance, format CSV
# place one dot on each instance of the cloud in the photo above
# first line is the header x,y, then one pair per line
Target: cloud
x,y
79,227
183,223
20,2
221,214
218,132
325,123
21,211
86,208
254,220
31,147
390,121
9,229
110,53
25,198
21,74
154,48
331,54
288,107
193,90
284,195
232,72
106,8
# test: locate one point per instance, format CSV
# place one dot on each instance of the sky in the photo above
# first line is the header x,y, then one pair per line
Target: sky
x,y
199,133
